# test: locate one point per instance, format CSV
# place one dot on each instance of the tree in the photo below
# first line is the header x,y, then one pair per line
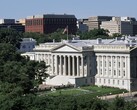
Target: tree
x,y
116,35
40,72
95,33
9,35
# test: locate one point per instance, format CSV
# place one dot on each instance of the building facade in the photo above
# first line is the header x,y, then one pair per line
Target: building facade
x,y
27,45
49,23
10,23
121,25
94,22
109,62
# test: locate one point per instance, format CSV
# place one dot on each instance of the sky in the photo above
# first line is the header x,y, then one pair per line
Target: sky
x,y
17,9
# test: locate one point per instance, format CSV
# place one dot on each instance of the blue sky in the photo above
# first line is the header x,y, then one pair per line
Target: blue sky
x,y
80,8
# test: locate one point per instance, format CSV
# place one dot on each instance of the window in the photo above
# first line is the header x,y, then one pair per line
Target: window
x,y
109,64
101,71
119,64
123,73
85,80
99,80
122,82
113,81
118,82
123,64
23,46
100,63
114,72
118,72
105,63
104,81
91,80
108,81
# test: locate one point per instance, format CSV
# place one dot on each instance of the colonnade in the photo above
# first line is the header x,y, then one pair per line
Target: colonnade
x,y
68,65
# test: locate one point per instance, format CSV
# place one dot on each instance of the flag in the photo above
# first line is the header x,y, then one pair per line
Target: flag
x,y
65,30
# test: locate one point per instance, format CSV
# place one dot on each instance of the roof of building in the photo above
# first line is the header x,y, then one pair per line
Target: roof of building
x,y
51,16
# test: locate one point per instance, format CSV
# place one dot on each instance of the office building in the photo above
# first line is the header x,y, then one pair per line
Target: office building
x,y
121,25
10,23
94,22
49,23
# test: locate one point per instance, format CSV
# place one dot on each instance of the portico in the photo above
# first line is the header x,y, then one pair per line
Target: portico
x,y
68,65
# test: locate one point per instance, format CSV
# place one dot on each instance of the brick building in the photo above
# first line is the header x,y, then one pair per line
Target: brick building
x,y
49,23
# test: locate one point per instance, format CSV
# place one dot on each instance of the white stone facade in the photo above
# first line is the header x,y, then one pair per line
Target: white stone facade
x,y
111,62
27,45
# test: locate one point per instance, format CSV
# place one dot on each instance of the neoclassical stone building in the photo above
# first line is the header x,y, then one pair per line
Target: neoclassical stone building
x,y
107,62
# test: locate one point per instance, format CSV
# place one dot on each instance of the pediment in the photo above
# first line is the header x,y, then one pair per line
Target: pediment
x,y
66,48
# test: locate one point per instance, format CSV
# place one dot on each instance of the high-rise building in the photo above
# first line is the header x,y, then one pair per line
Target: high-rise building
x,y
121,25
49,23
81,26
10,23
94,22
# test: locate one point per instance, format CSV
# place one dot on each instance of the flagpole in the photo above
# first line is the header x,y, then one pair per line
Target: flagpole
x,y
67,32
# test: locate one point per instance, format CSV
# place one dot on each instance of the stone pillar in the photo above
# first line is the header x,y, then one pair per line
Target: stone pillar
x,y
102,66
52,58
60,65
73,66
82,64
64,73
68,65
78,72
57,65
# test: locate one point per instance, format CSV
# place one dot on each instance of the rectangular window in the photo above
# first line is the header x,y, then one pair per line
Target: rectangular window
x,y
113,81
85,80
122,82
118,82
124,64
108,81
109,64
104,81
119,64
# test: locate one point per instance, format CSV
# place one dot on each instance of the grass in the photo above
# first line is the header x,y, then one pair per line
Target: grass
x,y
89,91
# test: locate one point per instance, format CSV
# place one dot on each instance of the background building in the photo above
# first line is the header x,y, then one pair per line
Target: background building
x,y
49,23
81,26
27,45
121,25
10,23
95,21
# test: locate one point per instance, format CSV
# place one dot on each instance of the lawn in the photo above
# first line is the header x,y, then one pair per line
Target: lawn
x,y
89,91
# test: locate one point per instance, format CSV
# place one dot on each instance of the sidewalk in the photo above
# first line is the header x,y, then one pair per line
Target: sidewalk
x,y
129,94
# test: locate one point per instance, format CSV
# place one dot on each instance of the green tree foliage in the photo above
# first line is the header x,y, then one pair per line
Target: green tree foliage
x,y
95,33
116,35
40,38
11,36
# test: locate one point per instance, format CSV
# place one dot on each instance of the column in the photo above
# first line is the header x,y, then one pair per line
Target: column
x,y
102,66
78,73
73,66
60,65
68,65
98,65
82,64
53,64
57,72
64,73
